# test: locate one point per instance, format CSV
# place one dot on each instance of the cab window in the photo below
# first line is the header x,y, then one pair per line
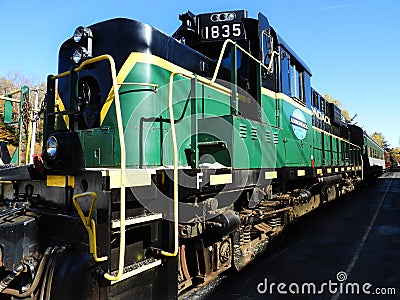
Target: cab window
x,y
297,83
315,99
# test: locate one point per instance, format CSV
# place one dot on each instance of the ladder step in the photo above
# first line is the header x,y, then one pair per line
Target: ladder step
x,y
136,220
137,268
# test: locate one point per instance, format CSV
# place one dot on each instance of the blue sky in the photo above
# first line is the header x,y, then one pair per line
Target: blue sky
x,y
351,46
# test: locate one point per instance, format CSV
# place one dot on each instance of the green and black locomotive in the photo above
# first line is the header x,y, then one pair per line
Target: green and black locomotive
x,y
170,159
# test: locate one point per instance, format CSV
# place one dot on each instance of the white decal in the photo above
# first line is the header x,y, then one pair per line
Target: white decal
x,y
199,179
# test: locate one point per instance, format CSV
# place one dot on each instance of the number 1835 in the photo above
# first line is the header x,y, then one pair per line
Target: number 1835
x,y
222,31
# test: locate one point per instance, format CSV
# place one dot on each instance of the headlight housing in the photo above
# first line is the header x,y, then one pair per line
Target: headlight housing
x,y
63,154
78,34
83,38
52,147
79,54
81,33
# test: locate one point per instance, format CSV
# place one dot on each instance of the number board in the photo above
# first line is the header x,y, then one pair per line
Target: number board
x,y
222,31
222,26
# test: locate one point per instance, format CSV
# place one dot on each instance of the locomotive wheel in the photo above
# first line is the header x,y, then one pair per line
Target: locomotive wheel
x,y
184,278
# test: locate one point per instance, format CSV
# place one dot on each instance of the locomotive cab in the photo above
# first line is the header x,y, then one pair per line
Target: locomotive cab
x,y
256,41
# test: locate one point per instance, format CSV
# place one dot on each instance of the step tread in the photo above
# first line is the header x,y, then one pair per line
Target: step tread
x,y
137,219
137,268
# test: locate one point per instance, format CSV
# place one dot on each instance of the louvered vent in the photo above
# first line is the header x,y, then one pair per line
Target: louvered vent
x,y
254,133
268,136
243,131
276,139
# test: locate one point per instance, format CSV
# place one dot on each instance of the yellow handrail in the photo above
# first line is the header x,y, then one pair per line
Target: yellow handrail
x,y
89,223
15,92
362,168
173,133
218,66
123,150
221,55
28,144
121,260
10,99
175,149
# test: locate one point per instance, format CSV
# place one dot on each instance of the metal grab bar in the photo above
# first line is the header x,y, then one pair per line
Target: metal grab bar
x,y
222,54
173,133
89,223
218,66
123,149
154,86
175,149
10,99
121,260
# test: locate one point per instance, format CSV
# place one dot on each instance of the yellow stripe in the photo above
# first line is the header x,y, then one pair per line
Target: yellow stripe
x,y
62,108
220,179
294,103
335,136
131,61
133,177
268,92
286,98
301,172
123,73
271,175
60,181
138,57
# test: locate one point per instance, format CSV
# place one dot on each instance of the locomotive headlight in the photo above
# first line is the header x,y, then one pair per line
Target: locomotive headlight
x,y
63,154
79,54
52,147
231,16
78,34
221,17
82,36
